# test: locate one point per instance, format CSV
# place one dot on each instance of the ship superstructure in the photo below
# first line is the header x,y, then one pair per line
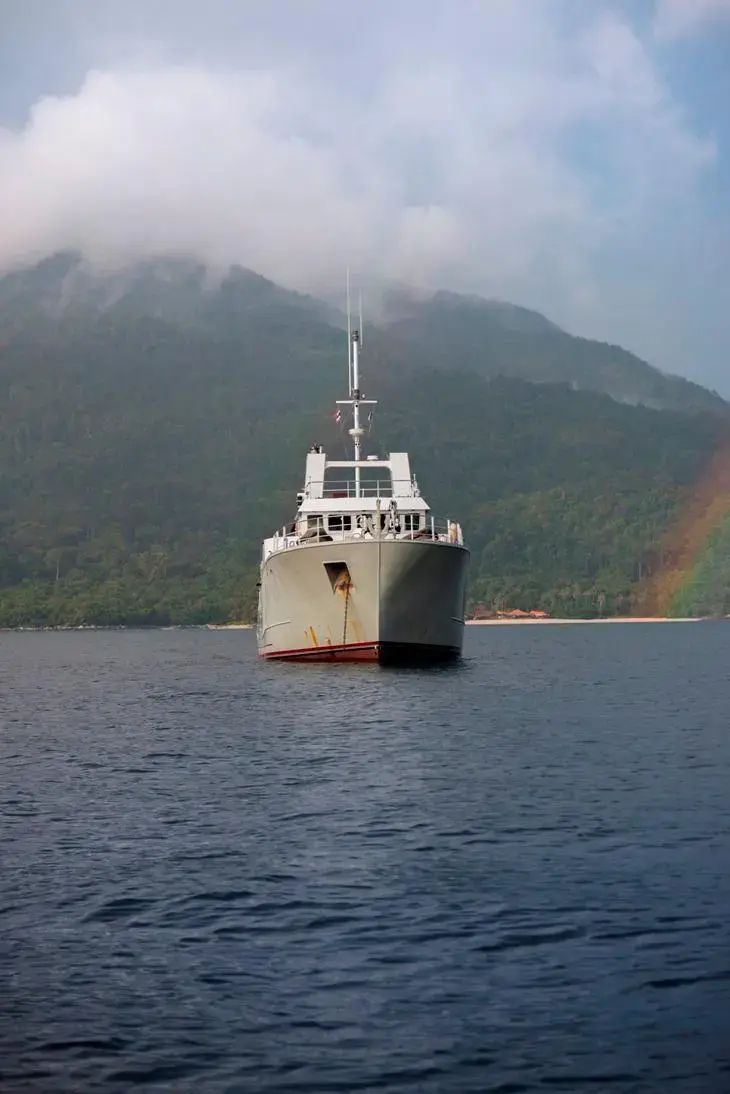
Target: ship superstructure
x,y
365,571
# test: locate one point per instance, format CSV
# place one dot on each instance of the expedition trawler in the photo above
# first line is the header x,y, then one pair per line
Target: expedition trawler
x,y
365,572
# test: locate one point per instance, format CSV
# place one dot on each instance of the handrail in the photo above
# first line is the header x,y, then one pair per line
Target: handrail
x,y
437,529
369,488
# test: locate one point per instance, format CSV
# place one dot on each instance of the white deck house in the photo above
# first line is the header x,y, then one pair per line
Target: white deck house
x,y
379,499
364,571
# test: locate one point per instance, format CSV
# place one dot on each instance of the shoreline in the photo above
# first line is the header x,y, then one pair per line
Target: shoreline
x,y
605,619
614,619
61,628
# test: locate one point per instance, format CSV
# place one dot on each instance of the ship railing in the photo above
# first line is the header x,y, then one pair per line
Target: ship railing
x,y
362,526
369,488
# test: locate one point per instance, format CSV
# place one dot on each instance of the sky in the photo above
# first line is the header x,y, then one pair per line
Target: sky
x,y
571,156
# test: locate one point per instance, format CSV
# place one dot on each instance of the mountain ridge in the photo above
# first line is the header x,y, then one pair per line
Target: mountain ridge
x,y
440,328
147,447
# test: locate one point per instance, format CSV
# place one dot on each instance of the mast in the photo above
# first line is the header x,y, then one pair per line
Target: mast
x,y
356,432
349,336
354,345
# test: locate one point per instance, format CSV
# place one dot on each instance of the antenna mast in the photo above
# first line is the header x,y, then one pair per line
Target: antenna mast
x,y
349,337
354,345
356,432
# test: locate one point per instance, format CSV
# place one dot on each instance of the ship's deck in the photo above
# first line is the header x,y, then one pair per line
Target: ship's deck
x,y
436,530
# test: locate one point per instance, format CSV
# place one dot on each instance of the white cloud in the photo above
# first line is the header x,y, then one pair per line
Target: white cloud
x,y
498,153
677,18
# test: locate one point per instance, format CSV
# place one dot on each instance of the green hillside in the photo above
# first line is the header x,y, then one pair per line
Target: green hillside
x,y
492,338
144,457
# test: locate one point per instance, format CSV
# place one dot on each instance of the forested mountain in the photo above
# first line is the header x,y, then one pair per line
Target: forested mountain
x,y
442,330
153,426
493,338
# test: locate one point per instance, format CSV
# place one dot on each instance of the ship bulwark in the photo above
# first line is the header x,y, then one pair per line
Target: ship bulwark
x,y
390,601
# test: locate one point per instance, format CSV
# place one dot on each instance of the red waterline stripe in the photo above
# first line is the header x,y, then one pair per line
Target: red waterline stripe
x,y
356,649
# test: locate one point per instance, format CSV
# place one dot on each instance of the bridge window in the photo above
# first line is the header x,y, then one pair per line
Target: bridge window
x,y
340,523
411,522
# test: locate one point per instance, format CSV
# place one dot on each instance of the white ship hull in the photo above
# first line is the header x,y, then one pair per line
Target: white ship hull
x,y
385,600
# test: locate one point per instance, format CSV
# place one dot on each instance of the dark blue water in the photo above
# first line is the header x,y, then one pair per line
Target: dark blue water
x,y
511,875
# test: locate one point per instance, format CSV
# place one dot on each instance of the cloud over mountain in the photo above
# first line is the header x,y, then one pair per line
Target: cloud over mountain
x,y
505,148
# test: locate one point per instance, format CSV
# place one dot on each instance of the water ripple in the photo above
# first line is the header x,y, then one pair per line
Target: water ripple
x,y
223,877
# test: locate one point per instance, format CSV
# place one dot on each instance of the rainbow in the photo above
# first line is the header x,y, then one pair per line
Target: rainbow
x,y
689,553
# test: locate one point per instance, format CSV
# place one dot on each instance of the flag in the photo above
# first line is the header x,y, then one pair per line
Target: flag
x,y
338,415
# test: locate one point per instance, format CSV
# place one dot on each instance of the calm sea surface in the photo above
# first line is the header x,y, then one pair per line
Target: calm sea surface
x,y
510,875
